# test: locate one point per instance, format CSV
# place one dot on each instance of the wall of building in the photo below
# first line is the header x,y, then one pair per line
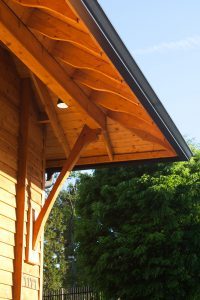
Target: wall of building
x,y
10,99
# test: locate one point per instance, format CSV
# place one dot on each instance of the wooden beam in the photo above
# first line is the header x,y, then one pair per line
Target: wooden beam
x,y
43,118
124,157
82,59
86,136
127,157
108,144
130,115
142,129
21,187
74,7
119,104
53,6
16,36
56,29
51,112
58,8
99,82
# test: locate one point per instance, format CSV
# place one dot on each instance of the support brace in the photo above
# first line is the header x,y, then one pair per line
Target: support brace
x,y
86,136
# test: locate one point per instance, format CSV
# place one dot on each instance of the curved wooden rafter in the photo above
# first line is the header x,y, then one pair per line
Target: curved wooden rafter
x,y
132,122
126,114
64,12
99,82
77,49
119,104
86,137
100,54
82,59
139,128
56,29
59,8
21,41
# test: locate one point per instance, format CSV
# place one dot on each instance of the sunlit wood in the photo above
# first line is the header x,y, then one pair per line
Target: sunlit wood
x,y
99,82
89,161
119,104
26,47
108,144
141,129
51,112
21,188
82,59
64,51
86,136
56,29
58,8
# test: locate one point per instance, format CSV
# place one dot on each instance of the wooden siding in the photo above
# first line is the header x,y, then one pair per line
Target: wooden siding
x,y
9,124
10,85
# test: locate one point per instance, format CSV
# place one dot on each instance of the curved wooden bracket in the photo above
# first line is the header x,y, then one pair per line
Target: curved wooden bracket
x,y
86,136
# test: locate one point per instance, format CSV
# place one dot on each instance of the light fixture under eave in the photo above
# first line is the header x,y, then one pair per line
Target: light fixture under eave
x,y
61,104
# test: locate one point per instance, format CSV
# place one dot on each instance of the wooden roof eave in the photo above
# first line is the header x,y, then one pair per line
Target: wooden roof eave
x,y
95,19
95,82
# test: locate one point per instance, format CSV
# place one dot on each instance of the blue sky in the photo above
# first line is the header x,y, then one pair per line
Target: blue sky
x,y
164,38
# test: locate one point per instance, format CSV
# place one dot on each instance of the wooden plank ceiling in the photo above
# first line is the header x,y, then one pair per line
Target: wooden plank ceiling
x,y
64,61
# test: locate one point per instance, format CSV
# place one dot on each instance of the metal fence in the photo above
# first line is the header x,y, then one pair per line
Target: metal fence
x,y
75,293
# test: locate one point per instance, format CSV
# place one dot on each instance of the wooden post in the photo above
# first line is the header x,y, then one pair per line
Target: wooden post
x,y
21,187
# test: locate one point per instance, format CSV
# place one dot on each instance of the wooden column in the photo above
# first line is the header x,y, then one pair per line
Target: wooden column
x,y
21,187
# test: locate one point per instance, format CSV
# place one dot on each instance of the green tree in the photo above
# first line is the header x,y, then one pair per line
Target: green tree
x,y
59,269
138,231
55,265
71,274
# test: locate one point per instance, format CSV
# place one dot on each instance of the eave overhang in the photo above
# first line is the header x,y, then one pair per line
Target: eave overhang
x,y
100,26
70,51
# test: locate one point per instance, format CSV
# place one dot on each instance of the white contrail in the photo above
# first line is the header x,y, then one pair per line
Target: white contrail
x,y
184,44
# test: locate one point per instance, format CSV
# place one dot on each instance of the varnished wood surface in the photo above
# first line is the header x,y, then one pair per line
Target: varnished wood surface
x,y
46,43
73,66
21,186
10,99
86,137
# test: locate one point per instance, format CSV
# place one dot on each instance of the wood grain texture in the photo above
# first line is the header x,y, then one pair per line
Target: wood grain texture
x,y
86,136
51,112
21,187
90,160
62,52
83,59
58,30
15,35
59,9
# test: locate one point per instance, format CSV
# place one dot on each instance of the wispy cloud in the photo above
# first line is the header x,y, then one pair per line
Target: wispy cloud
x,y
180,45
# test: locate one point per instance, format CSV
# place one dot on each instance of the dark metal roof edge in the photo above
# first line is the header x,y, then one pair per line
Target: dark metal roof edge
x,y
96,20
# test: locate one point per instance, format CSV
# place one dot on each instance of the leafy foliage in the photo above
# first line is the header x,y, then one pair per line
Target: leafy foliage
x,y
58,242
138,231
